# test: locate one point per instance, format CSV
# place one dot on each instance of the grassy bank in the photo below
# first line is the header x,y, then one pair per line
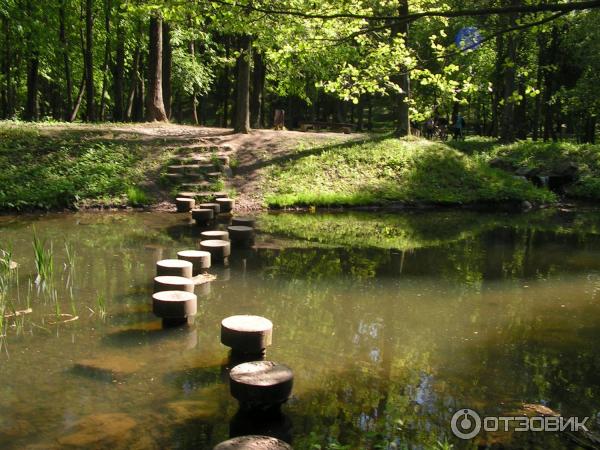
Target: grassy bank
x,y
71,169
393,170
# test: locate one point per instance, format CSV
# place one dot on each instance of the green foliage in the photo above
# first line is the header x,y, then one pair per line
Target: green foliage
x,y
51,173
44,258
391,170
137,197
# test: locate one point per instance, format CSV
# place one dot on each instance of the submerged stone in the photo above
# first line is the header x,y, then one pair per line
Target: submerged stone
x,y
99,431
113,365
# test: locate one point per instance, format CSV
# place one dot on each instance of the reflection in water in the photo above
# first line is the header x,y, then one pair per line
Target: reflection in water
x,y
390,323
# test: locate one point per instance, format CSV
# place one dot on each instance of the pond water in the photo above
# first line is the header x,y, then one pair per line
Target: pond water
x,y
390,322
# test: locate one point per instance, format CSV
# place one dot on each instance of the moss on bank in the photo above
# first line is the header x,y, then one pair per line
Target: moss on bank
x,y
387,170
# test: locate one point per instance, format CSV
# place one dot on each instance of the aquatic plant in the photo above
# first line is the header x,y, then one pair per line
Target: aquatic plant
x,y
101,304
44,258
70,253
5,261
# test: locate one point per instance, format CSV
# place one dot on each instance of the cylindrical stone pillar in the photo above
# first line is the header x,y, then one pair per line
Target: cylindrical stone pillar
x,y
199,259
218,249
184,204
171,283
246,333
258,384
174,267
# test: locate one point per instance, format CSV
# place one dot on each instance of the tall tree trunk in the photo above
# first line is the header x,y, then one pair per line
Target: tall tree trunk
x,y
549,87
498,90
155,107
32,105
68,102
90,112
106,65
258,90
192,50
507,124
403,81
7,108
537,109
226,87
118,72
166,67
242,100
73,114
133,82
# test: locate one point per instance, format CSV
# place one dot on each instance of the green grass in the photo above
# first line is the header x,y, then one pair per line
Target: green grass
x,y
380,171
70,169
44,258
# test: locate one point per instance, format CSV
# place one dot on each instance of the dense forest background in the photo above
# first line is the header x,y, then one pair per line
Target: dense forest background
x,y
513,68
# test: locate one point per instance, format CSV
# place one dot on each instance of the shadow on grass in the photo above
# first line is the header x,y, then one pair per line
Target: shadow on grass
x,y
474,145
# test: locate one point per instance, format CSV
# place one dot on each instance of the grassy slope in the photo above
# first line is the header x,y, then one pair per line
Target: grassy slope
x,y
388,169
70,169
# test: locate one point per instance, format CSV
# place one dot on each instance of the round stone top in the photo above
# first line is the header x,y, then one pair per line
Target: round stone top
x,y
214,243
240,228
214,234
247,323
221,195
174,296
208,205
244,221
174,263
184,199
261,373
186,194
223,199
173,280
193,253
253,442
202,210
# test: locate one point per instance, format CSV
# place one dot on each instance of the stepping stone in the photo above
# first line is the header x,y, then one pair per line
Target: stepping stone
x,y
245,221
215,234
214,206
218,249
246,333
179,169
174,267
260,383
171,283
199,259
187,194
253,442
184,204
174,304
226,204
241,233
221,194
202,215
197,187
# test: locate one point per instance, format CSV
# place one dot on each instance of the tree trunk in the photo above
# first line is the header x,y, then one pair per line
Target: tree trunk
x,y
258,90
155,108
242,101
166,67
106,65
118,73
192,50
68,101
226,87
32,106
507,124
6,93
73,114
89,62
133,82
403,81
548,107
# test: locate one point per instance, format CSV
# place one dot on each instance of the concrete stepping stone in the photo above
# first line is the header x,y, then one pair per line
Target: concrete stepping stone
x,y
187,194
184,204
253,442
226,204
260,383
247,333
198,187
171,283
178,305
215,234
218,249
202,215
240,233
214,206
199,259
244,221
174,267
221,194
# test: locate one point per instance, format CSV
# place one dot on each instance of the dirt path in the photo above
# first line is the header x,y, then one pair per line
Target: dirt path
x,y
253,152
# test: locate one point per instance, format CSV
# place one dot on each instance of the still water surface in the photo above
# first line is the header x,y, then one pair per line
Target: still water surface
x,y
390,323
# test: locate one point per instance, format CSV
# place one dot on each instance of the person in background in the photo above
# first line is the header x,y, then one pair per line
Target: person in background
x,y
459,126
